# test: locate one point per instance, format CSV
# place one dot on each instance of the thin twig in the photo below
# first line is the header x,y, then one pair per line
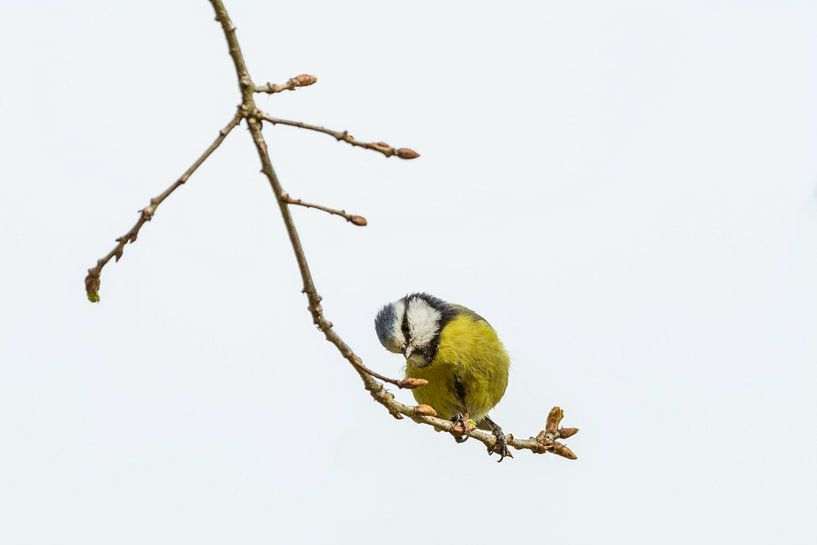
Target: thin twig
x,y
92,281
545,441
360,221
302,80
381,147
408,383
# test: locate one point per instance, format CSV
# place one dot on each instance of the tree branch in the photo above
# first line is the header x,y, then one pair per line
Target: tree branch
x,y
545,441
93,280
381,147
360,221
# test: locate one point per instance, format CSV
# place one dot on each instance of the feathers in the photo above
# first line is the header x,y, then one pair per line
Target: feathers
x,y
455,349
387,324
470,363
423,321
414,321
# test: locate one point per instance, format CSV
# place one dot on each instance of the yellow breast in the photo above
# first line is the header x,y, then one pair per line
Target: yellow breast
x,y
469,372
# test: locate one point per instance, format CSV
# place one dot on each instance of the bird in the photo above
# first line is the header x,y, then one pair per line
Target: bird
x,y
457,351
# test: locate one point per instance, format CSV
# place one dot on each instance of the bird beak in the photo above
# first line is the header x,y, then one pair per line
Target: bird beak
x,y
409,351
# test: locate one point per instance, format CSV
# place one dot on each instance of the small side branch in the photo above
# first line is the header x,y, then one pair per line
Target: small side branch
x,y
302,80
92,280
360,221
408,383
380,147
547,440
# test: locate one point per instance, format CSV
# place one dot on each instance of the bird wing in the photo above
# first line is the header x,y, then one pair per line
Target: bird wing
x,y
467,311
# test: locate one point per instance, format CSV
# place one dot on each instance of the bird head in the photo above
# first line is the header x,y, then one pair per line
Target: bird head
x,y
411,326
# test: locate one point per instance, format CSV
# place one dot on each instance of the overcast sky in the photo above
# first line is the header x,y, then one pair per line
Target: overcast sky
x,y
626,190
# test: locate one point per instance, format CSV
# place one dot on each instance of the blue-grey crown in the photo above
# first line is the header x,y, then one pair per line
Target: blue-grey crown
x,y
384,324
385,321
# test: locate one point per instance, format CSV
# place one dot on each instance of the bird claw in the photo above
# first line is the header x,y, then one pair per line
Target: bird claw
x,y
462,425
500,446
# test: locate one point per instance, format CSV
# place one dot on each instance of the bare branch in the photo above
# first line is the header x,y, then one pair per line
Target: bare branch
x,y
408,383
381,147
302,80
92,281
360,221
545,441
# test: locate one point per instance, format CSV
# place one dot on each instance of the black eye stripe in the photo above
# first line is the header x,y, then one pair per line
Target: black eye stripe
x,y
405,325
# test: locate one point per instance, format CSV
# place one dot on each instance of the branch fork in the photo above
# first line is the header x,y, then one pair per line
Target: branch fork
x,y
546,440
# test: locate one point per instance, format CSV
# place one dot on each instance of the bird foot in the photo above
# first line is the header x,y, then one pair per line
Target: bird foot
x,y
500,446
463,425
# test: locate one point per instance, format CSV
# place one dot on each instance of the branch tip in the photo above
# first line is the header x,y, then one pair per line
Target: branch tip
x,y
407,153
146,213
380,147
424,410
360,221
555,416
564,433
563,451
92,282
301,80
305,80
411,383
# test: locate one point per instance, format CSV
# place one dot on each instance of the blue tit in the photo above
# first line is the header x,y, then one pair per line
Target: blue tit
x,y
456,350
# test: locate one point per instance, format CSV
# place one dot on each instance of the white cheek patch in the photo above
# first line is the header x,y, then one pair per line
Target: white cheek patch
x,y
423,320
397,329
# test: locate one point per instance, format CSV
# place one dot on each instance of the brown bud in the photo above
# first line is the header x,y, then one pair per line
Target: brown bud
x,y
382,145
554,417
412,383
303,80
406,153
360,221
563,451
92,287
425,410
564,433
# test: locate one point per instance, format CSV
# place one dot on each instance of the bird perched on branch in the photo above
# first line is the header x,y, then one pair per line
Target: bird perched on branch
x,y
457,351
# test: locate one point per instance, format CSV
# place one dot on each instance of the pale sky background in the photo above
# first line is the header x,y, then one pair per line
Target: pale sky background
x,y
626,190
